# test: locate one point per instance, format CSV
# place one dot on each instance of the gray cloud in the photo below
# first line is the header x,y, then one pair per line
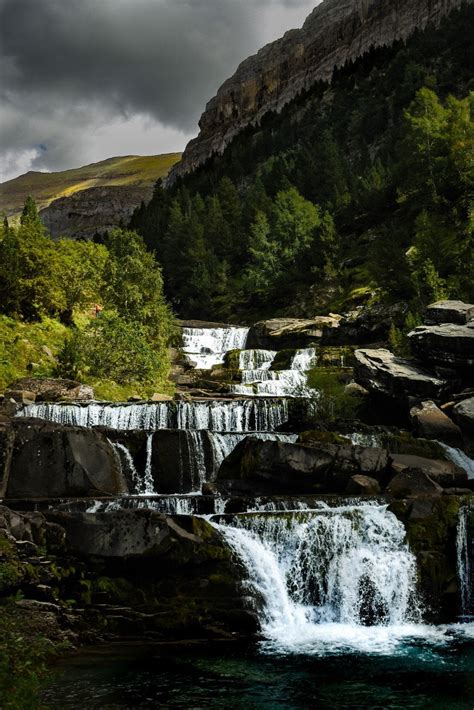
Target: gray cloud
x,y
70,68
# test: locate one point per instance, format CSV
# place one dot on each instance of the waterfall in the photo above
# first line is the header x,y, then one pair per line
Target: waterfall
x,y
347,566
459,458
213,415
463,544
258,380
206,347
144,485
256,359
148,487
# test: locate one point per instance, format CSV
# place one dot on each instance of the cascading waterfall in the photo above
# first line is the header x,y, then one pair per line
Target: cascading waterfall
x,y
206,347
213,415
465,572
326,573
144,485
258,380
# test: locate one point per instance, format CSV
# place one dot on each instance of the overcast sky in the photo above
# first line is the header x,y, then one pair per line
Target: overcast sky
x,y
84,80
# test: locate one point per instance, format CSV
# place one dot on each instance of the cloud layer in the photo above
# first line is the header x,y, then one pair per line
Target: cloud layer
x,y
84,80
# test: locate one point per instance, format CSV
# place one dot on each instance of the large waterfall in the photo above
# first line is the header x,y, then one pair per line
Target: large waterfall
x,y
338,576
206,347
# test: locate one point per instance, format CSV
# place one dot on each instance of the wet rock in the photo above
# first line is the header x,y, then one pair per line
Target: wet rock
x,y
157,397
48,389
271,467
413,482
383,373
448,312
22,396
282,333
448,345
53,461
431,423
362,485
445,473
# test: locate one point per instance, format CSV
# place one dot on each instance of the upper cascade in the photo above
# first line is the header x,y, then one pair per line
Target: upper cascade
x,y
336,32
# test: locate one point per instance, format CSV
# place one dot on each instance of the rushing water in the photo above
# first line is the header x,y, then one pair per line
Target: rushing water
x,y
464,545
323,577
206,347
259,380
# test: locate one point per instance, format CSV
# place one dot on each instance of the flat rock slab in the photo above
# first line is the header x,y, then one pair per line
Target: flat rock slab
x,y
381,372
464,415
281,333
448,344
449,312
431,423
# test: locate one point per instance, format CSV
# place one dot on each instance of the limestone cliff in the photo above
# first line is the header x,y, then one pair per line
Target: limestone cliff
x,y
337,31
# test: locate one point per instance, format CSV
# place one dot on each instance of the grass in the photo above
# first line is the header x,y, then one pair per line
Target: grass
x,y
131,170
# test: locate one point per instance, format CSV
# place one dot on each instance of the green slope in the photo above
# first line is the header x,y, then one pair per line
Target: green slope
x,y
129,170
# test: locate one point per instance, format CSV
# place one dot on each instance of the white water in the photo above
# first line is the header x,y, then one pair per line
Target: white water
x,y
320,577
258,380
206,347
213,415
459,458
464,561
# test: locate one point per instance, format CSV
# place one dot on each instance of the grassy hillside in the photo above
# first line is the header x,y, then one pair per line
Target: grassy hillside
x,y
128,170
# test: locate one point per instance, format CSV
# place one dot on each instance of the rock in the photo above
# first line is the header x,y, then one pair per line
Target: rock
x,y
334,34
48,352
362,485
431,423
272,467
156,397
48,389
281,333
383,373
444,473
463,413
413,482
448,312
22,396
355,390
53,461
448,345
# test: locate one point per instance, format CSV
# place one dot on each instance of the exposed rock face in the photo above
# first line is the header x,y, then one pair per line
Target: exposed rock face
x,y
280,333
464,416
444,473
413,482
264,467
337,31
363,485
48,389
383,373
97,209
51,461
449,312
431,423
448,344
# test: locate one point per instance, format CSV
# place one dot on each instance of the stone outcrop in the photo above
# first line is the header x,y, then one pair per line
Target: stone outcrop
x,y
431,423
383,373
442,472
269,467
464,415
48,389
281,333
336,32
97,209
413,482
449,344
51,461
448,312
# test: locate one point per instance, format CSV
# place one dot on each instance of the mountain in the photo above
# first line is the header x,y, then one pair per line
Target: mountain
x,y
335,33
92,198
357,192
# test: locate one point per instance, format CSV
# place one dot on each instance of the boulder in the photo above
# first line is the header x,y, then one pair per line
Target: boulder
x,y
464,415
444,473
273,467
381,372
157,397
413,482
431,423
448,344
362,485
53,461
281,333
22,396
48,389
448,312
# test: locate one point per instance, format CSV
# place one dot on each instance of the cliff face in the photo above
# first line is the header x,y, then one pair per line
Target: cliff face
x,y
335,32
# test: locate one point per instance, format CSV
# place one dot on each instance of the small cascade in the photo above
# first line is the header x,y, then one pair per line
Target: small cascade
x,y
258,380
459,458
206,347
148,486
347,566
144,484
464,546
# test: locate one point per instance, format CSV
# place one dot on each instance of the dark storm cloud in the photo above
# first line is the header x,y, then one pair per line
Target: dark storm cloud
x,y
69,66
